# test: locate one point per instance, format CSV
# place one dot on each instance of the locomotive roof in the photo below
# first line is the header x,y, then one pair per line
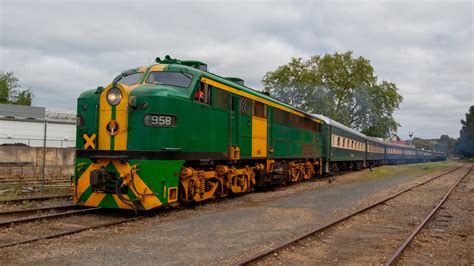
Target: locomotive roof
x,y
336,124
259,94
236,84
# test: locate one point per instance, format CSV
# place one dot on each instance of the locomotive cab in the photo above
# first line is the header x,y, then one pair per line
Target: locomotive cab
x,y
122,132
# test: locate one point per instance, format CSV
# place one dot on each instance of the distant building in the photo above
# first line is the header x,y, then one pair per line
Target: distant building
x,y
397,140
25,125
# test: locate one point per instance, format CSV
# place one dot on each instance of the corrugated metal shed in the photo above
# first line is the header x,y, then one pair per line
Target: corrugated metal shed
x,y
26,125
22,111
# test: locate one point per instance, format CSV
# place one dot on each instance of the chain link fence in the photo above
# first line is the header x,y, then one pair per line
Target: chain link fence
x,y
37,142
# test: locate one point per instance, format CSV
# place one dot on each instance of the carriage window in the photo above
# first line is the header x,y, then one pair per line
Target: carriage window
x,y
203,92
338,141
259,109
176,79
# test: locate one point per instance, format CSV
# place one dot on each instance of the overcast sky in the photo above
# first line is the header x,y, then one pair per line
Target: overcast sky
x,y
60,48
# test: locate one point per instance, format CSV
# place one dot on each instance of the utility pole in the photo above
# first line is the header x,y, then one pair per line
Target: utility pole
x,y
43,169
411,135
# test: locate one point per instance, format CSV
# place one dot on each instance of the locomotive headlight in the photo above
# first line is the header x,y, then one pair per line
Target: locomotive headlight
x,y
114,96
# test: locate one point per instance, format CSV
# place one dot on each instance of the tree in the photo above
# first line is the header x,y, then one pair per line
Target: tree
x,y
465,144
445,144
341,87
423,143
11,92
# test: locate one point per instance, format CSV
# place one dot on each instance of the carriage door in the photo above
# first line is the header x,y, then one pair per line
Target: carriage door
x,y
259,130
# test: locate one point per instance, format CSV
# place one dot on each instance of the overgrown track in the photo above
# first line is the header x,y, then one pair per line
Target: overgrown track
x,y
394,258
342,219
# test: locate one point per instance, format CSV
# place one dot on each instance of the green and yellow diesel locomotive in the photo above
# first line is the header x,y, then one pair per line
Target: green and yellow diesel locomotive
x,y
174,132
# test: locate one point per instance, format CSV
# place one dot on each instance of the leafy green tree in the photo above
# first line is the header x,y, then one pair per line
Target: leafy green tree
x,y
11,92
341,87
423,143
465,144
446,144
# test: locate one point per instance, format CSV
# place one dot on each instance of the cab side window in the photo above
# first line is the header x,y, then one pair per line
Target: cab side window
x,y
220,98
203,93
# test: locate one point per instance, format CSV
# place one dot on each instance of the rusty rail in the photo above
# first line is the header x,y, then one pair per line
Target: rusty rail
x,y
394,258
324,227
34,198
23,211
47,216
75,231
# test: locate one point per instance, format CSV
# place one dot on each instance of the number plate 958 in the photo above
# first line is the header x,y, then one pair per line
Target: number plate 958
x,y
159,120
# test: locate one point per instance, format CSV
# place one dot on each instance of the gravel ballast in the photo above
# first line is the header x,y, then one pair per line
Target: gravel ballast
x,y
222,232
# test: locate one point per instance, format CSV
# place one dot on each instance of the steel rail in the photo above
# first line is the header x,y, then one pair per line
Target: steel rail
x,y
47,216
394,258
38,209
34,198
317,230
31,181
75,231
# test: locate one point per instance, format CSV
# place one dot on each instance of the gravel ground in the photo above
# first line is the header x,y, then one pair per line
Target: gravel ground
x,y
223,232
33,229
448,239
34,204
370,237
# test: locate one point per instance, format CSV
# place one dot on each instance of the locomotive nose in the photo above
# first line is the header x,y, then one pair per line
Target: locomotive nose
x,y
113,117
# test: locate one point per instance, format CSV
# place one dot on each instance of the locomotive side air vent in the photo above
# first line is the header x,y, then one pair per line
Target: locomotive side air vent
x,y
236,80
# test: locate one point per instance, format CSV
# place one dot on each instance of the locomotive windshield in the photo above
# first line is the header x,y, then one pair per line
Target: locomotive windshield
x,y
178,79
130,79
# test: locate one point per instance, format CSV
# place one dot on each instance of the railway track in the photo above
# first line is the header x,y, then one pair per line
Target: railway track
x,y
29,229
38,198
69,209
395,256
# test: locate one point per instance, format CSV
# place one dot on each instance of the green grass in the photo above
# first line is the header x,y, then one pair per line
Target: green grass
x,y
417,169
